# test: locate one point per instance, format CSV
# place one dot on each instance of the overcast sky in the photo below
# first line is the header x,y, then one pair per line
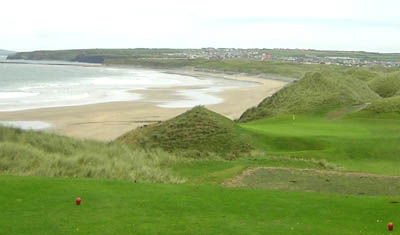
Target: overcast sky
x,y
370,25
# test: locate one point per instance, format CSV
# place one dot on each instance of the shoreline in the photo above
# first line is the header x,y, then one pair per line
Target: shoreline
x,y
107,121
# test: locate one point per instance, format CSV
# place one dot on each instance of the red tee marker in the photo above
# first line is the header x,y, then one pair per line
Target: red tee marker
x,y
78,201
390,226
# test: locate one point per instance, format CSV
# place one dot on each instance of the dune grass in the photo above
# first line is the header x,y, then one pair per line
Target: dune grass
x,y
314,92
387,85
36,205
382,108
364,74
197,133
41,154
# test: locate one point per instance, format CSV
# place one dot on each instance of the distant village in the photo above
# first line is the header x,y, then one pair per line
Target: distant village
x,y
261,54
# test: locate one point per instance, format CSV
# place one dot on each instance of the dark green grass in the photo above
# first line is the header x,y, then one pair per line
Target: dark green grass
x,y
32,205
285,179
356,144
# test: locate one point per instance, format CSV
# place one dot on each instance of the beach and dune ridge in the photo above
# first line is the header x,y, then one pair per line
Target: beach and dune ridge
x,y
107,121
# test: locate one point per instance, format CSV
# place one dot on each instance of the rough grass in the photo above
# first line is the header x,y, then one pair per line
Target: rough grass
x,y
382,108
387,85
40,154
314,92
198,133
306,180
217,171
363,74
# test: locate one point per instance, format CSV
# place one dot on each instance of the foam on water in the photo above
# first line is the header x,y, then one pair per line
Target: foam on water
x,y
26,125
16,94
193,98
28,86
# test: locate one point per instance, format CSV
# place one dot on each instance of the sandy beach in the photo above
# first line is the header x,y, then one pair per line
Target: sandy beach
x,y
107,121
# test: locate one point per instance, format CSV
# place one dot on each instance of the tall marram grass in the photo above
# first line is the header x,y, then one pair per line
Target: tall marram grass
x,y
41,154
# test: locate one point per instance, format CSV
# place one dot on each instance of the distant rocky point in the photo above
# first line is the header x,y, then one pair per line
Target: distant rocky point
x,y
5,52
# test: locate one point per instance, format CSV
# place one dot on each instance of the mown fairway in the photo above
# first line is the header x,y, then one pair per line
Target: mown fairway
x,y
354,144
34,205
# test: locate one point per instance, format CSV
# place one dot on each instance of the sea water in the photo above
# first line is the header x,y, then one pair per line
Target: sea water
x,y
44,84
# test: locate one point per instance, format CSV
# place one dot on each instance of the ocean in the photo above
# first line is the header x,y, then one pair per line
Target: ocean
x,y
43,84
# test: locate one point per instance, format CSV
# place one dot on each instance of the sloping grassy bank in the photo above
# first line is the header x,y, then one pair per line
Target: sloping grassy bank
x,y
41,154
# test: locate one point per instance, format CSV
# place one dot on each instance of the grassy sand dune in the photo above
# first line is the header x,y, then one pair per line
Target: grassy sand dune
x,y
382,108
199,131
314,92
387,85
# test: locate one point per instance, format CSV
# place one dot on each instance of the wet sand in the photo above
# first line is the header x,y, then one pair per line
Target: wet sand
x,y
107,121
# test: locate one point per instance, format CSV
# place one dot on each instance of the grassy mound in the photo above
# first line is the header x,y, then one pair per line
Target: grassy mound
x,y
314,92
198,130
382,107
40,154
387,85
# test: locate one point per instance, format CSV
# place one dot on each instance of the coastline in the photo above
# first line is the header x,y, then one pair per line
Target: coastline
x,y
107,121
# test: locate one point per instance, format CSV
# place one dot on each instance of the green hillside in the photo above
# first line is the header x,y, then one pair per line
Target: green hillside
x,y
327,53
96,55
199,131
314,92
